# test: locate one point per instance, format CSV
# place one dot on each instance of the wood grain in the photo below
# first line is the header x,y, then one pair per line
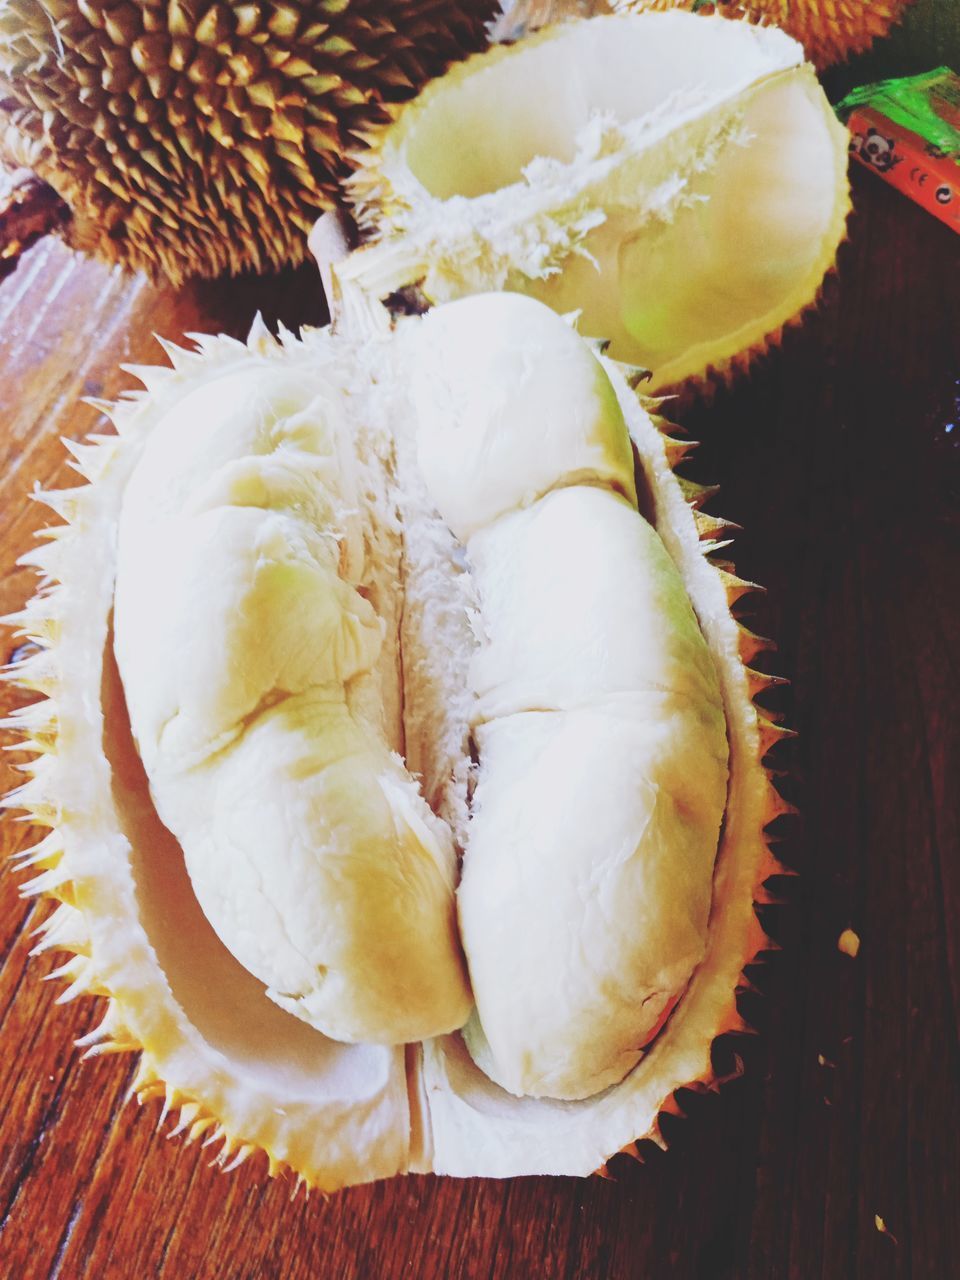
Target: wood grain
x,y
841,459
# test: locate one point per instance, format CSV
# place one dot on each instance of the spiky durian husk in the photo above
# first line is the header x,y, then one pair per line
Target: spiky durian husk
x,y
190,139
83,860
539,227
829,30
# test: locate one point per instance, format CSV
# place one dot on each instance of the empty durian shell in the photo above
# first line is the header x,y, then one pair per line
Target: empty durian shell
x,y
681,181
200,140
828,31
235,1068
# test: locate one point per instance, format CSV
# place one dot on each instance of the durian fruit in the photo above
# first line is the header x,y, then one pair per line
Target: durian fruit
x,y
829,30
679,180
199,139
522,617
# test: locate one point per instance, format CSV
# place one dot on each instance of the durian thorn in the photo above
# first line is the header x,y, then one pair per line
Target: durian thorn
x,y
771,733
142,1077
219,1134
697,495
750,644
198,1129
736,588
656,1136
46,853
170,1096
105,407
678,450
149,1092
635,376
189,1111
243,1154
77,972
760,681
54,878
105,1029
63,502
711,547
709,526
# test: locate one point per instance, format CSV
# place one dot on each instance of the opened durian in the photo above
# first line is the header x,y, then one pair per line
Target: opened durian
x,y
329,613
829,31
194,139
679,180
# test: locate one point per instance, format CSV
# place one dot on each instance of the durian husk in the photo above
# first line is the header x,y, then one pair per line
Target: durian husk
x,y
197,140
830,30
205,1052
650,216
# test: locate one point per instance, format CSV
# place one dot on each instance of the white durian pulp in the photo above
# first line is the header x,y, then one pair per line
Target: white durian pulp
x,y
601,738
506,400
248,652
260,680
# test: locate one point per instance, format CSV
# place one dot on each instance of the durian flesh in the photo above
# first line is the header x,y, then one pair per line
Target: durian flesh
x,y
213,1044
679,180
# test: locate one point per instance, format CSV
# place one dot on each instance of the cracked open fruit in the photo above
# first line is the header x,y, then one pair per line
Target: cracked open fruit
x,y
680,180
398,749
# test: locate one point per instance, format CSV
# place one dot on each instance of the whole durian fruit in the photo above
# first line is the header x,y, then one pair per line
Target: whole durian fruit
x,y
679,180
829,30
192,138
330,612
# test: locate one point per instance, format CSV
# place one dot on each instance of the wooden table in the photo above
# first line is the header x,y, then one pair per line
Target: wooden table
x,y
841,459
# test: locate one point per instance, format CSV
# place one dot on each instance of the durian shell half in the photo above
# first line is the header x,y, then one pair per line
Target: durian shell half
x,y
680,180
232,1069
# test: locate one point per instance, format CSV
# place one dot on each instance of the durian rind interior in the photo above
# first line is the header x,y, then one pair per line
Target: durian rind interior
x,y
214,1046
679,180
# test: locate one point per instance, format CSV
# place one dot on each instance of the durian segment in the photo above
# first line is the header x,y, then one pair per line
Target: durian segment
x,y
251,664
567,593
829,32
480,1129
604,795
680,180
198,140
582,919
228,1065
508,399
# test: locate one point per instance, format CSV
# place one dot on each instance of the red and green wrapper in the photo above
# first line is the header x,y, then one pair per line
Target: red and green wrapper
x,y
908,132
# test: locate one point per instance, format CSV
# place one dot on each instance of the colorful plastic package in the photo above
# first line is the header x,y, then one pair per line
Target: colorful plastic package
x,y
908,131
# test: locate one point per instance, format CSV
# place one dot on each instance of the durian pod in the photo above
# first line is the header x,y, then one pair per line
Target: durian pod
x,y
198,140
679,180
221,1059
830,32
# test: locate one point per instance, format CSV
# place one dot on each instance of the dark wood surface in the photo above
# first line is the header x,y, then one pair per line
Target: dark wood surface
x,y
841,459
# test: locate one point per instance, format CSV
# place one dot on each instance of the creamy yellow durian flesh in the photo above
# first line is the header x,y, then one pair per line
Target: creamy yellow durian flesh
x,y
680,180
251,658
233,492
598,721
